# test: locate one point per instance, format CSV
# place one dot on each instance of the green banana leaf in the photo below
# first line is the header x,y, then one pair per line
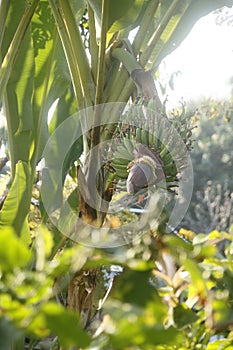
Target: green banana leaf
x,y
121,13
16,206
64,146
52,78
19,90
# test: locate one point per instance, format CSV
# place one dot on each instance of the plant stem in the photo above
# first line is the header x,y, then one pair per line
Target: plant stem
x,y
9,59
95,154
92,42
101,56
79,53
124,87
130,63
100,76
126,92
118,74
128,60
140,37
68,52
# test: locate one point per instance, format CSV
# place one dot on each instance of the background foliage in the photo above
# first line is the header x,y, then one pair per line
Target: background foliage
x,y
211,205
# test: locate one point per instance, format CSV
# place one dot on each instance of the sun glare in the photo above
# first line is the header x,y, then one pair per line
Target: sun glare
x,y
205,60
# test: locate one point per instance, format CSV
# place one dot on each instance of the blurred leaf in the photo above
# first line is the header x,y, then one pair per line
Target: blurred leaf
x,y
183,316
54,319
19,313
227,280
222,312
65,325
177,245
38,327
142,327
223,344
214,234
73,259
8,334
198,283
135,287
13,253
200,238
43,245
204,251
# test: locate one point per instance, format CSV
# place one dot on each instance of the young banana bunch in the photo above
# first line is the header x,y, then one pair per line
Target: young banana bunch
x,y
145,170
150,149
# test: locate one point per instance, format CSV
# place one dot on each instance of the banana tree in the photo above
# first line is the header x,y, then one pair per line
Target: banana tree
x,y
87,59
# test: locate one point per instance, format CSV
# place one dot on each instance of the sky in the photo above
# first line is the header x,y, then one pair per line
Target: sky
x,y
205,59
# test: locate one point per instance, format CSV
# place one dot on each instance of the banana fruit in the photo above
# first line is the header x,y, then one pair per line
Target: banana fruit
x,y
168,138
